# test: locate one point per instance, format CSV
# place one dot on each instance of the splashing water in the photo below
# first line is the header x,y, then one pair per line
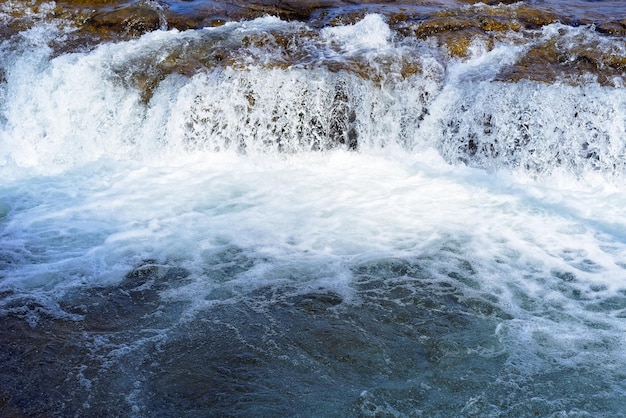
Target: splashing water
x,y
264,218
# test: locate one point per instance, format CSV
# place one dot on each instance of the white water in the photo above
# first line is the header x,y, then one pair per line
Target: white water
x,y
94,182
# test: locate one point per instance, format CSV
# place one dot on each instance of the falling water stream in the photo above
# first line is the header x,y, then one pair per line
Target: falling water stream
x,y
374,210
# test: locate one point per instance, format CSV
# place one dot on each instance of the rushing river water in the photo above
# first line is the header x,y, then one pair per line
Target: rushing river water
x,y
312,208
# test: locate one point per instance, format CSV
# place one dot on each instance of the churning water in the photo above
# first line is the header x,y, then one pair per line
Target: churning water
x,y
271,218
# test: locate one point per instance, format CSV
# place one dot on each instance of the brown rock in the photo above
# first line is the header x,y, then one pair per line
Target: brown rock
x,y
613,27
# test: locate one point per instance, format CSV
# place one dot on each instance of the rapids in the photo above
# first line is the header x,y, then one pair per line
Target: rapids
x,y
346,210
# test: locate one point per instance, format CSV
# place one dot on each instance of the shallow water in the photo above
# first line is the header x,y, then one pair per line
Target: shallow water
x,y
314,217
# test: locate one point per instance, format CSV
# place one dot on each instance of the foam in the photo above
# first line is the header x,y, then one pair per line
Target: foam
x,y
79,108
96,182
368,34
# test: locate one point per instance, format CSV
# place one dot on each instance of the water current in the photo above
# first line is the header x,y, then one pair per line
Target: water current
x,y
329,209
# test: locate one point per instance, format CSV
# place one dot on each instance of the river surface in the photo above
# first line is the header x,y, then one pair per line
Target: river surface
x,y
316,209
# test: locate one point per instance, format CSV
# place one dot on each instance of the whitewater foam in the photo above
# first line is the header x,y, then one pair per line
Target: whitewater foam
x,y
77,108
436,240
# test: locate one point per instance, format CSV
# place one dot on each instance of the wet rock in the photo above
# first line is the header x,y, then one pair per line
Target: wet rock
x,y
459,42
534,18
497,19
458,28
615,27
554,61
126,21
452,26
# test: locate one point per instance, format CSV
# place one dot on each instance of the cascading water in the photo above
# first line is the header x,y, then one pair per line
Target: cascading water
x,y
325,218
